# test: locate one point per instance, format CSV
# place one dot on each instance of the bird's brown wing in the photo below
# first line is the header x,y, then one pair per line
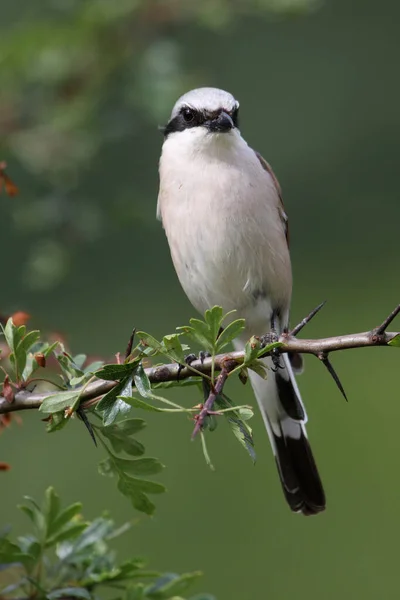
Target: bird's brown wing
x,y
282,213
296,359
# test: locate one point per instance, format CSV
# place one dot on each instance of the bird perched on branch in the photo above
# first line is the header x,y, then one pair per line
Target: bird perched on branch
x,y
221,207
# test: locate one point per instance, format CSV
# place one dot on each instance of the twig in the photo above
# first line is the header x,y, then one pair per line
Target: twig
x,y
25,400
216,390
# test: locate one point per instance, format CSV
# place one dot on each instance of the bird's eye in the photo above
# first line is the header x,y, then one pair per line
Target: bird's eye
x,y
188,115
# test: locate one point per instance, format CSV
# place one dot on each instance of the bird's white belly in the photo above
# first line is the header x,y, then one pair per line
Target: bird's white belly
x,y
226,238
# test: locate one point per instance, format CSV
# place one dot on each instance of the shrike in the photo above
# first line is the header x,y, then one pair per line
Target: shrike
x,y
221,207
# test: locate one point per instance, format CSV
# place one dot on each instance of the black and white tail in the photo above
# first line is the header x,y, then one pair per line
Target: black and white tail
x,y
284,416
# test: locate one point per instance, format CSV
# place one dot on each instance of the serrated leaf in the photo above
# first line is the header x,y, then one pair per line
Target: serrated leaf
x,y
59,401
173,348
139,466
68,592
137,489
116,372
202,334
230,332
119,436
395,341
171,584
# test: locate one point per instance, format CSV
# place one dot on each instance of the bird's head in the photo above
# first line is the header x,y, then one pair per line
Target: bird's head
x,y
204,113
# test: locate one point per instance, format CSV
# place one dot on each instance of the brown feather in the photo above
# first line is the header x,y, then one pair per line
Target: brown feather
x,y
282,213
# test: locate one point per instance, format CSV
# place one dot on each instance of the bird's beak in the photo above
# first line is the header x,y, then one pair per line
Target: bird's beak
x,y
222,124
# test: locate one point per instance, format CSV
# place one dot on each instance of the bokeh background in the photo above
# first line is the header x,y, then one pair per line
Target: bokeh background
x,y
83,86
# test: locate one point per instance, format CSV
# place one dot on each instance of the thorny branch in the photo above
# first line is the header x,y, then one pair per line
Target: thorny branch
x,y
171,372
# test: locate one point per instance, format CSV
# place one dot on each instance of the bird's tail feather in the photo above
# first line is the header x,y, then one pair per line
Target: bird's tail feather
x,y
284,417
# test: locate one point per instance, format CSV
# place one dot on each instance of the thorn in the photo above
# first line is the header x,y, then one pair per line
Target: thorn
x,y
382,328
87,423
325,360
130,344
306,320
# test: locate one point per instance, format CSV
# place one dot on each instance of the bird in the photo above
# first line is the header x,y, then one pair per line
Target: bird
x,y
221,207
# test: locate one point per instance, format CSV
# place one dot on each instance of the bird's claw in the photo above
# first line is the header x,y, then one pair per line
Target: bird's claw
x,y
268,339
191,358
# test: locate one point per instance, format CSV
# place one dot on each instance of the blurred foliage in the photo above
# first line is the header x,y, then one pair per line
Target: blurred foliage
x,y
78,74
68,557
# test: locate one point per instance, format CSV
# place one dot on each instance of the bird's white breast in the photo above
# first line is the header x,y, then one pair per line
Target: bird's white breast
x,y
220,210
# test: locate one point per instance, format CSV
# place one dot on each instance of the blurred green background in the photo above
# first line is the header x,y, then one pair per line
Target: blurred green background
x,y
83,86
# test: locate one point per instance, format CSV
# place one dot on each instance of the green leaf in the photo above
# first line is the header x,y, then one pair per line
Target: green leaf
x,y
64,517
68,367
35,514
143,386
259,367
138,403
137,489
214,317
200,334
139,466
69,532
239,427
231,332
12,553
74,592
57,422
116,372
111,405
395,341
51,509
170,584
23,348
95,532
59,401
251,350
119,436
205,451
148,340
173,348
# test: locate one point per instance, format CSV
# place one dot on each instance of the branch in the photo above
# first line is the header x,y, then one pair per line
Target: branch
x,y
320,348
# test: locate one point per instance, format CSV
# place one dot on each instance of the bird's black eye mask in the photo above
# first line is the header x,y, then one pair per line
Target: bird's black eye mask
x,y
189,117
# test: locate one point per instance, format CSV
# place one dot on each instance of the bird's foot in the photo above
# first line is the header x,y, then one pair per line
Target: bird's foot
x,y
191,358
268,339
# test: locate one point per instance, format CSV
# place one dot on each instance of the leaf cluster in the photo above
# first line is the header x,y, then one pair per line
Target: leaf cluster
x,y
65,556
108,416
